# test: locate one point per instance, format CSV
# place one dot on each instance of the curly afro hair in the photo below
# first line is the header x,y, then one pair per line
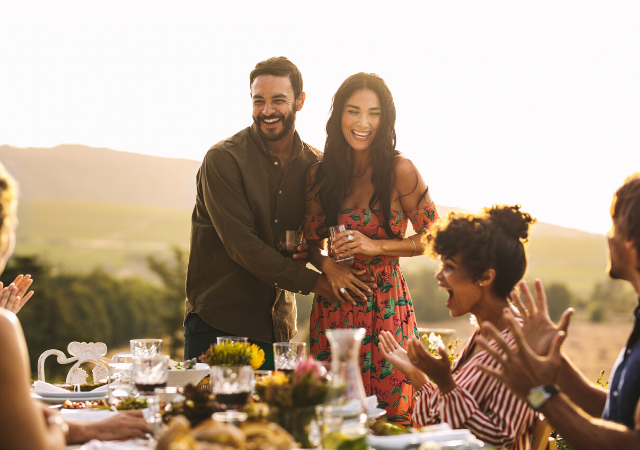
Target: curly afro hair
x,y
494,239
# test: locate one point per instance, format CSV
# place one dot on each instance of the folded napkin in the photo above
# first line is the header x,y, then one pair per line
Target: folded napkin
x,y
42,387
86,415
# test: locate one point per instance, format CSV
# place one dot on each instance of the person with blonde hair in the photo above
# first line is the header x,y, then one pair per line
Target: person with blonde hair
x,y
24,423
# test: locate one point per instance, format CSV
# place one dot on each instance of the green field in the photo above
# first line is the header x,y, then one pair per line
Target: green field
x,y
79,236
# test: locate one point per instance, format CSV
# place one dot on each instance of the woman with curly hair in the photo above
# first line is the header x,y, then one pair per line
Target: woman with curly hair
x,y
364,183
483,257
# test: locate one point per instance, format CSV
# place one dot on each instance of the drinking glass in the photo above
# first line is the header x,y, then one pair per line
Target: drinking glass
x,y
287,355
124,358
120,385
150,372
289,241
220,340
146,347
333,232
231,386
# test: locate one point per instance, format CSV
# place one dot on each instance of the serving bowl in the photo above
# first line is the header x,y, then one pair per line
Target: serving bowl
x,y
181,378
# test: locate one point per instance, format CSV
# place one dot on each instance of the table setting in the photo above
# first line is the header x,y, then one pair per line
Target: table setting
x,y
224,398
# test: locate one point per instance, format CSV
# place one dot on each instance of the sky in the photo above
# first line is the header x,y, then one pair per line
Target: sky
x,y
536,103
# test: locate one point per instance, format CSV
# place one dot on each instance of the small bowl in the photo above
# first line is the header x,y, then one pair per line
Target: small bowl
x,y
181,378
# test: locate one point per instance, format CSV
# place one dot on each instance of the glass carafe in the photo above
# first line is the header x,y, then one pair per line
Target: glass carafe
x,y
349,396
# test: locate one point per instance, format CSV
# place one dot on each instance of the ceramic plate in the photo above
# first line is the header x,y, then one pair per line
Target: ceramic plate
x,y
73,396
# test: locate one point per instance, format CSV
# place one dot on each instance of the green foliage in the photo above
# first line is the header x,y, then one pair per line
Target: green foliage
x,y
558,299
170,311
233,354
429,302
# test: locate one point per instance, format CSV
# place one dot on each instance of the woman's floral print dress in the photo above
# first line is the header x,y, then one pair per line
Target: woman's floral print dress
x,y
389,308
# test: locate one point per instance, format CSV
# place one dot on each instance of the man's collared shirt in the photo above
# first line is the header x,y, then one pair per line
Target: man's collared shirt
x,y
236,281
624,387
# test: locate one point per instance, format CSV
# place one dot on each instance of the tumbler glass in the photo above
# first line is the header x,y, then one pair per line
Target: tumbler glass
x,y
333,232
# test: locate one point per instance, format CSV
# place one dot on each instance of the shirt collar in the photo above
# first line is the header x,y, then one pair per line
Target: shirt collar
x,y
255,135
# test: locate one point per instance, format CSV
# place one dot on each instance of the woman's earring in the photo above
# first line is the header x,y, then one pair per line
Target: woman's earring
x,y
480,284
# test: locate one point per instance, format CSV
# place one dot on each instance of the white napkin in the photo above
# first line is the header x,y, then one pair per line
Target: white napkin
x,y
137,444
86,415
42,387
352,406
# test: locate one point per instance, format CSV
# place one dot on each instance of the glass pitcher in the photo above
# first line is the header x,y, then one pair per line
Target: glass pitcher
x,y
348,393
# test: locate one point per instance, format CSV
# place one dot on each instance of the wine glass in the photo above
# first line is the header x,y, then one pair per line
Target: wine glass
x,y
148,347
289,241
287,355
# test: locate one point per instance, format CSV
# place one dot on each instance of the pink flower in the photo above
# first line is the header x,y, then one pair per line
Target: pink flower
x,y
397,322
395,382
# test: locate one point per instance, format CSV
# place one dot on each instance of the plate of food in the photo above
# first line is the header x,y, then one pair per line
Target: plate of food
x,y
183,373
388,436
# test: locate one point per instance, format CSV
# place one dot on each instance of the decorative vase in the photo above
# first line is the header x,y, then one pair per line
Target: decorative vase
x,y
231,386
349,399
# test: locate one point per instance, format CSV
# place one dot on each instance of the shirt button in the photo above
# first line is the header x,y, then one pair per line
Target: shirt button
x,y
275,284
275,163
276,221
615,393
279,192
628,351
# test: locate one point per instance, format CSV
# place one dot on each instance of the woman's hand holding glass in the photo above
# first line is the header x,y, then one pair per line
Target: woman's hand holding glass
x,y
350,242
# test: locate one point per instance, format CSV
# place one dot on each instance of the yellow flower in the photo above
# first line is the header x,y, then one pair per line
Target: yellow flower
x,y
257,356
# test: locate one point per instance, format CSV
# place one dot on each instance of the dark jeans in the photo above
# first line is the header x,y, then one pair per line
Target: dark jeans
x,y
198,337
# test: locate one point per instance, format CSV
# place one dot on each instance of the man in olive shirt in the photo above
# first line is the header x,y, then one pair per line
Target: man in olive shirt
x,y
250,188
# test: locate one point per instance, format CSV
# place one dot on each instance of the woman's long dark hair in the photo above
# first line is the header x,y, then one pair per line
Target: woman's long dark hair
x,y
336,169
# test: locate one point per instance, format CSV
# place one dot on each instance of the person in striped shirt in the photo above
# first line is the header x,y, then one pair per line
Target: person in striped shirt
x,y
483,257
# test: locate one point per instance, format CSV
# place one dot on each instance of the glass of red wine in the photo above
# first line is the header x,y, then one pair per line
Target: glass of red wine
x,y
148,373
289,241
231,386
287,355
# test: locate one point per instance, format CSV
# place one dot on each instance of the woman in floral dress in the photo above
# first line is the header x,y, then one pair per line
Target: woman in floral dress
x,y
364,183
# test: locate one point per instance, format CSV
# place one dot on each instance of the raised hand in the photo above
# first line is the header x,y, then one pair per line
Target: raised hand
x,y
538,328
394,353
521,368
437,369
13,296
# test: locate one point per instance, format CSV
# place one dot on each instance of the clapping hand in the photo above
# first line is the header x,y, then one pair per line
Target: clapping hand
x,y
438,369
522,368
13,296
538,328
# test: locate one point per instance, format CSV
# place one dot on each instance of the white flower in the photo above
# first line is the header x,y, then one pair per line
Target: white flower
x,y
435,342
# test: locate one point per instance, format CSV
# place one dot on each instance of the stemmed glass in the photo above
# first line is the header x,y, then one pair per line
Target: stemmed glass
x,y
149,373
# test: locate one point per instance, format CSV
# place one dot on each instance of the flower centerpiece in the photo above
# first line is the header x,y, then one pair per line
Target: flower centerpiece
x,y
293,398
232,366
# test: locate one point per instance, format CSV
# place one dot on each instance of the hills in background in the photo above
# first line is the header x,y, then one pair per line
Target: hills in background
x,y
82,206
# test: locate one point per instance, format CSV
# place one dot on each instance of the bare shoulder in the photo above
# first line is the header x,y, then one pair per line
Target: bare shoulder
x,y
406,175
9,323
